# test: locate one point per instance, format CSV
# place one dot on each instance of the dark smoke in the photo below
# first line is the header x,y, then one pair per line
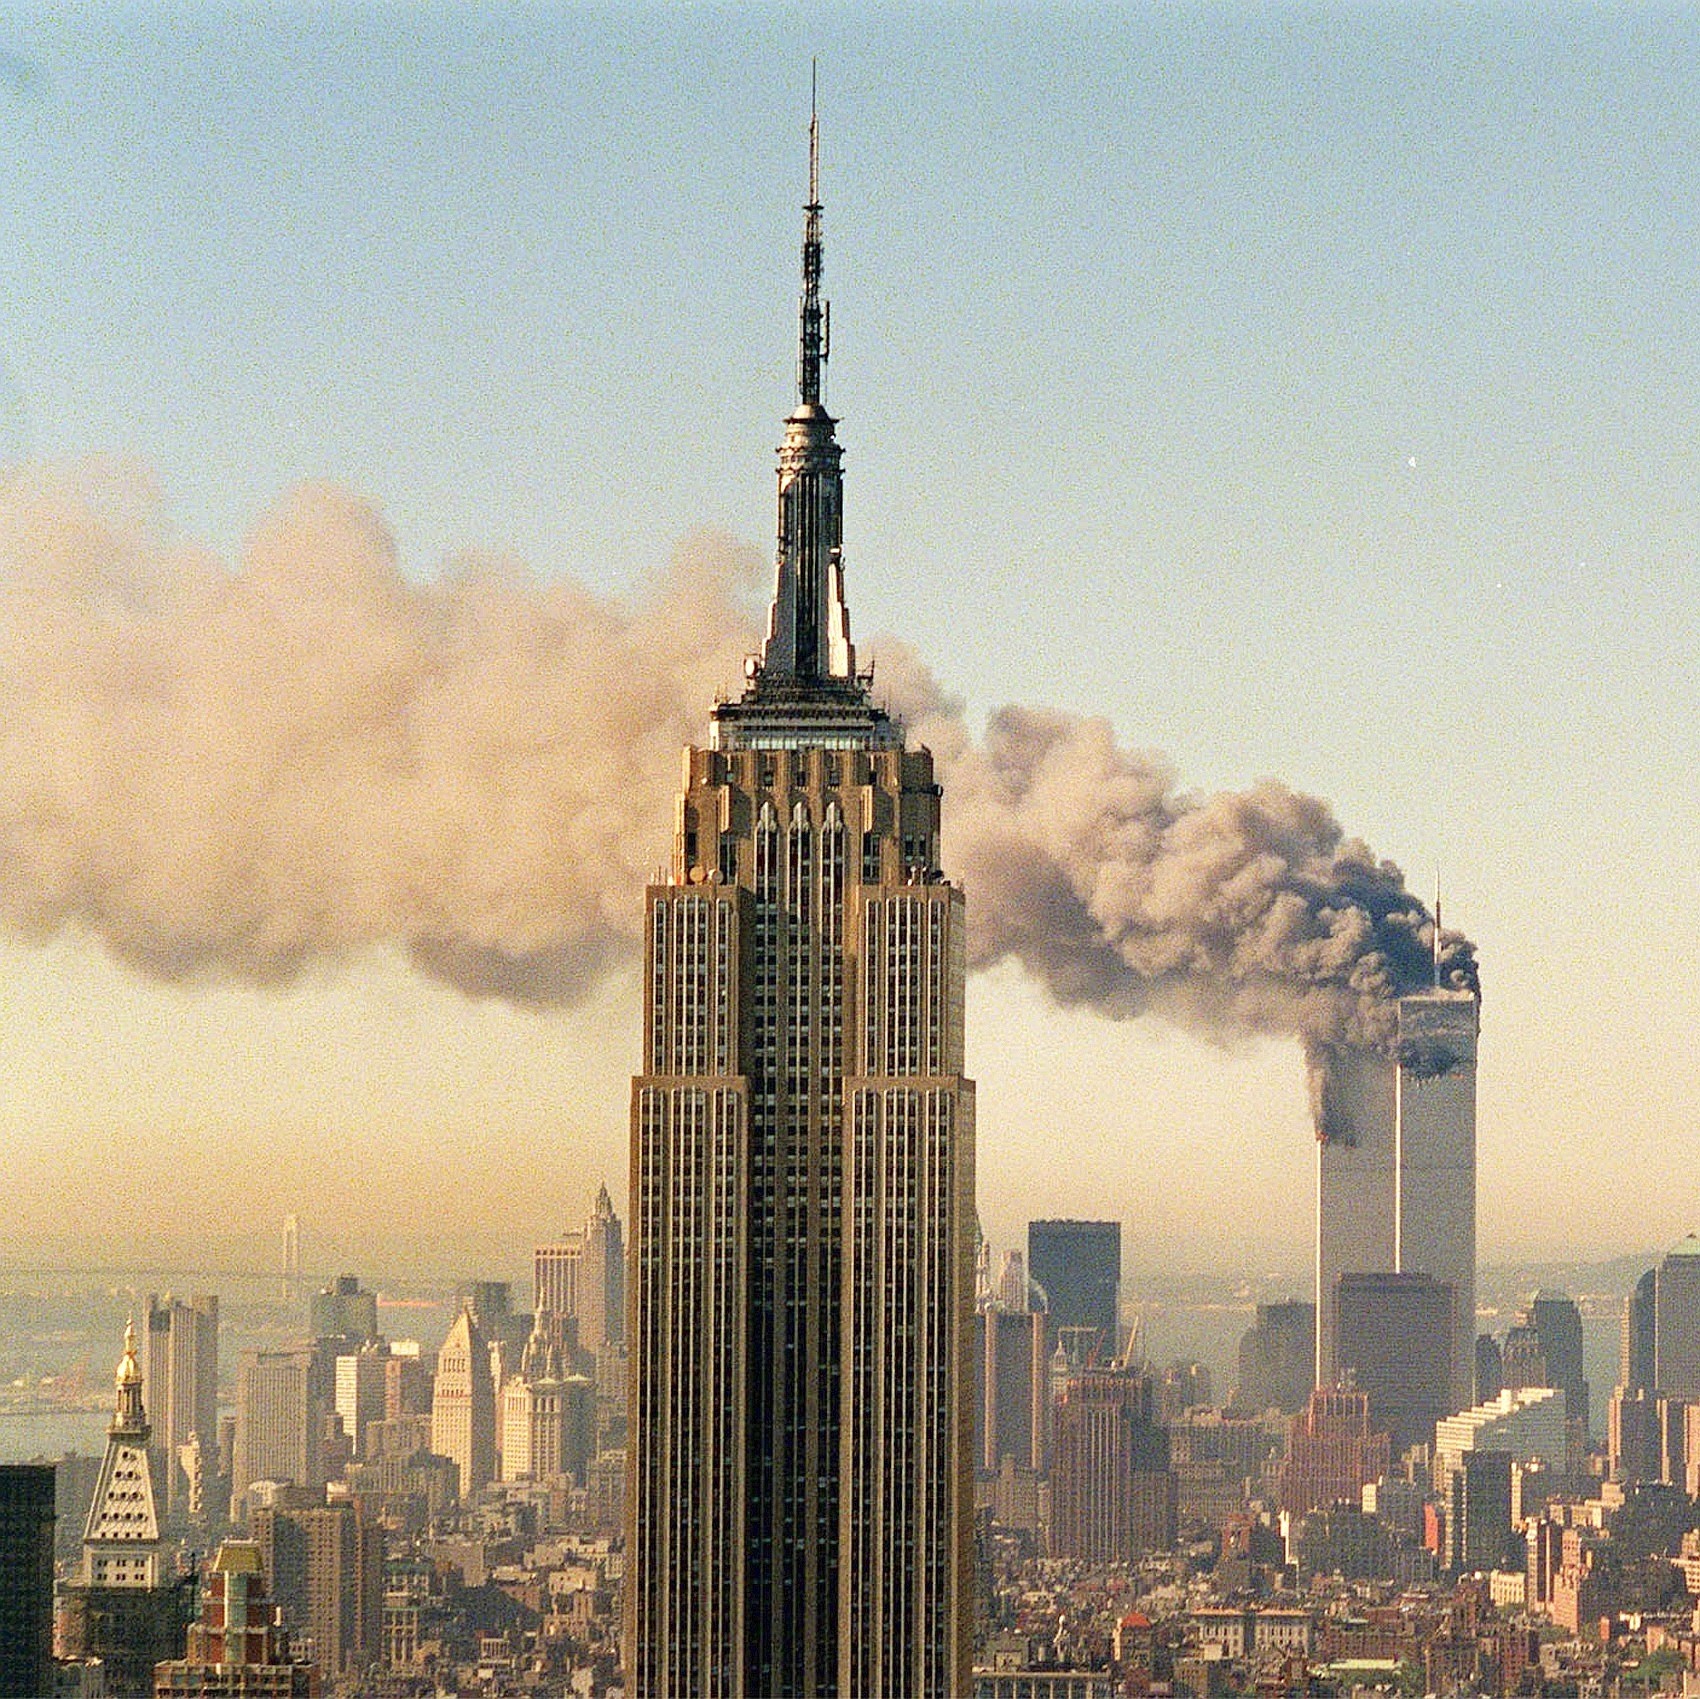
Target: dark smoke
x,y
238,773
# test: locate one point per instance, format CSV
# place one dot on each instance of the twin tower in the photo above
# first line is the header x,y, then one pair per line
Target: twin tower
x,y
1396,1182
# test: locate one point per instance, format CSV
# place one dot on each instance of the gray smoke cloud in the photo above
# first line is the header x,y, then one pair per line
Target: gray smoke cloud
x,y
239,772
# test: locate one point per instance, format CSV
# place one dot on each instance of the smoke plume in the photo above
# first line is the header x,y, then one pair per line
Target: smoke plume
x,y
238,773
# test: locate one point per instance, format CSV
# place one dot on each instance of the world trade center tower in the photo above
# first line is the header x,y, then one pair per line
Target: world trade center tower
x,y
799,1509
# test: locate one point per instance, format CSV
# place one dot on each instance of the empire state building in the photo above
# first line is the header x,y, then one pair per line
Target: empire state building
x,y
800,1515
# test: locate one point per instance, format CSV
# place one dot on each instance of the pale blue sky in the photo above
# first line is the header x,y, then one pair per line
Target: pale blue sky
x,y
1309,391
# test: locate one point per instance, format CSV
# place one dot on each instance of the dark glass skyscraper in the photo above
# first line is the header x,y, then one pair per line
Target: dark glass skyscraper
x,y
1079,1265
26,1580
802,1229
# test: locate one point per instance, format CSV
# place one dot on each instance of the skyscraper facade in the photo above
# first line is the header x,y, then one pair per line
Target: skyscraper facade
x,y
325,1566
1277,1359
1543,1347
802,1229
1396,1170
1393,1342
1113,1494
26,1580
126,1608
1436,1202
282,1399
1676,1321
180,1369
463,1405
583,1276
1078,1265
602,1278
1636,1352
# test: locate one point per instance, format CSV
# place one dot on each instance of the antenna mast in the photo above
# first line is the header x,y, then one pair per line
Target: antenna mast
x,y
1437,932
813,340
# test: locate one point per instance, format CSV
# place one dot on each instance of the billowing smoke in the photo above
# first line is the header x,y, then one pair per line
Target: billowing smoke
x,y
240,773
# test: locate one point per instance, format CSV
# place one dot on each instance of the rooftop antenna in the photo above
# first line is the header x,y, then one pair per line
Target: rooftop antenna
x,y
815,315
1437,932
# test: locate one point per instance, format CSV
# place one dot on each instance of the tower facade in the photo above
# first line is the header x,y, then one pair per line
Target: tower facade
x,y
180,1370
122,1545
1676,1320
463,1405
125,1608
1436,1197
1078,1265
1396,1170
1113,1494
801,1270
26,1580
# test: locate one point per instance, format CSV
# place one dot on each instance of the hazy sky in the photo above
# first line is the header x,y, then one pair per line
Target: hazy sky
x,y
1310,392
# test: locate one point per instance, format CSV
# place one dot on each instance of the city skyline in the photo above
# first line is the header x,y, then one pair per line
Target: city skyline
x,y
1341,563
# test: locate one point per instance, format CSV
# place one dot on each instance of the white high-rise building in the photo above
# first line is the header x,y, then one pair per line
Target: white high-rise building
x,y
1435,1199
1528,1422
1396,1169
1356,1160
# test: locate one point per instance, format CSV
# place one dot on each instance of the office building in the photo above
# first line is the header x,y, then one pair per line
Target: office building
x,y
802,1228
1543,1347
1078,1267
601,1309
26,1580
1393,1341
1332,1452
1436,1204
1635,1370
1113,1493
1490,1368
1012,1381
1529,1423
407,1382
1277,1359
361,1391
344,1310
1396,1169
282,1400
180,1370
325,1566
237,1648
1633,1436
1357,1158
463,1405
124,1607
549,1416
1676,1321
583,1276
1478,1513
555,1273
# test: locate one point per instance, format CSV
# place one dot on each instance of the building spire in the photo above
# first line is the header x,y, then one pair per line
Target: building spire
x,y
1437,932
803,688
808,635
814,315
129,1414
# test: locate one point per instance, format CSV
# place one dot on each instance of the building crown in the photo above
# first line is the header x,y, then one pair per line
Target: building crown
x,y
803,689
